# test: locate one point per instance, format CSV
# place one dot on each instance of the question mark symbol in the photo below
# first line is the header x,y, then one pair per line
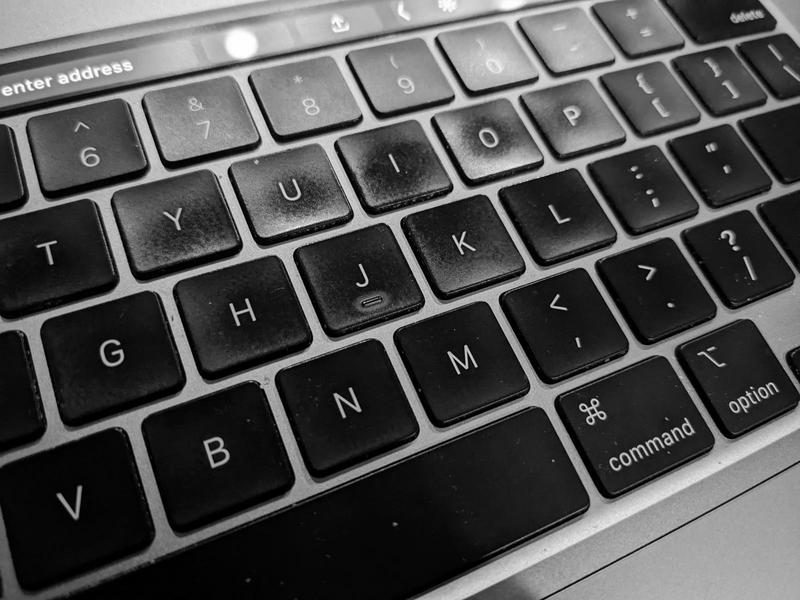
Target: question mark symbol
x,y
730,237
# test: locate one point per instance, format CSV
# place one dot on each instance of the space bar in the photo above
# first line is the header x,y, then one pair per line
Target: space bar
x,y
392,534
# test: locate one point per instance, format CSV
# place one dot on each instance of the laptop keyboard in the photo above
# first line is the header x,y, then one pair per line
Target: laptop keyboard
x,y
286,293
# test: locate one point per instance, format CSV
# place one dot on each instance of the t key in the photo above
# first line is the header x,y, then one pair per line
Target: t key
x,y
84,147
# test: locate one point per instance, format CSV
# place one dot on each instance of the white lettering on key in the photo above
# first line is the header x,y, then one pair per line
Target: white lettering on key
x,y
48,251
395,166
707,354
248,310
461,243
573,115
176,218
297,192
113,358
458,364
216,452
734,92
74,510
365,283
556,306
753,397
352,403
559,219
488,137
661,109
651,271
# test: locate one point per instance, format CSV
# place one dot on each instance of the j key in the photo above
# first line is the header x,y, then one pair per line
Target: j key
x,y
216,455
241,316
739,378
111,357
657,290
716,20
436,508
640,27
634,426
53,256
393,166
74,508
461,364
574,119
346,407
358,279
720,165
644,190
564,325
739,259
84,147
777,61
782,216
21,415
400,77
558,217
774,135
175,224
200,120
305,98
290,194
463,246
651,99
487,58
13,192
488,141
567,41
721,81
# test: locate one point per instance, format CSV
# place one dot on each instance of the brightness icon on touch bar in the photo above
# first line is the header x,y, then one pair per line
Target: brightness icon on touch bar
x,y
241,44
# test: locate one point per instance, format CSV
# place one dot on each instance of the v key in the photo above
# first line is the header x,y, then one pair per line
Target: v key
x,y
74,510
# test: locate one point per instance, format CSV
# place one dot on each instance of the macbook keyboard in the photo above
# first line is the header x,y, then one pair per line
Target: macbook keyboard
x,y
352,322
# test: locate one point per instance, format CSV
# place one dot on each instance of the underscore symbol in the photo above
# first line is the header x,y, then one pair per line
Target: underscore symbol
x,y
592,411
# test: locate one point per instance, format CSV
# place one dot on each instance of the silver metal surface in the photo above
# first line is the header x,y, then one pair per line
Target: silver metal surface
x,y
610,530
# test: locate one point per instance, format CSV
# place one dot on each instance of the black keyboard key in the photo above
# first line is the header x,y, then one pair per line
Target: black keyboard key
x,y
461,364
289,194
216,455
794,361
721,81
739,259
21,415
393,166
200,120
346,407
53,256
716,20
400,77
558,217
639,27
305,98
567,41
657,290
358,279
774,135
776,60
720,165
463,246
13,191
487,58
574,119
241,316
651,99
73,508
564,325
111,357
488,141
738,377
782,215
175,224
440,509
634,426
84,147
644,190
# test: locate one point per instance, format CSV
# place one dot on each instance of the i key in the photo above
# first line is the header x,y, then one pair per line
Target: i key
x,y
13,191
564,325
739,378
461,363
111,357
657,290
640,27
200,120
343,413
721,167
777,61
53,256
358,279
84,147
21,415
73,508
216,455
634,426
463,246
739,259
